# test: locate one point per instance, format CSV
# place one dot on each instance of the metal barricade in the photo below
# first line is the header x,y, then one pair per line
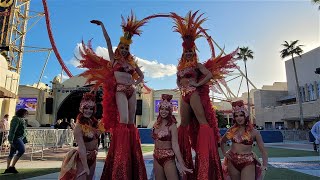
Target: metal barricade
x,y
40,140
295,135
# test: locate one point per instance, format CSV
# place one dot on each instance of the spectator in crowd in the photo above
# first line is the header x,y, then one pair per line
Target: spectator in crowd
x,y
101,138
72,123
65,124
57,125
17,139
316,133
4,128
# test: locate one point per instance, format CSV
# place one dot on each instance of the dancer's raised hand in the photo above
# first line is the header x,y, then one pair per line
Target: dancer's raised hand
x,y
97,22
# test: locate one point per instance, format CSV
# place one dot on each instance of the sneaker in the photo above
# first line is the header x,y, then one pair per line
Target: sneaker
x,y
13,170
6,171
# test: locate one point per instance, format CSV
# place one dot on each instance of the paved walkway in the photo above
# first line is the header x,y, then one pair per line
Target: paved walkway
x,y
308,165
303,145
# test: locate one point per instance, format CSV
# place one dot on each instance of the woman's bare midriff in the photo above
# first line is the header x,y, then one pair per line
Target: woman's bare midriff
x,y
241,148
92,145
162,144
184,82
123,78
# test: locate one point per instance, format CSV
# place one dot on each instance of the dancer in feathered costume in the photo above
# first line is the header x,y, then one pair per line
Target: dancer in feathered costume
x,y
166,148
199,128
240,162
119,76
80,163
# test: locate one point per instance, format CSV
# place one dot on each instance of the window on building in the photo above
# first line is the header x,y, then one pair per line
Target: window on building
x,y
268,125
279,125
311,92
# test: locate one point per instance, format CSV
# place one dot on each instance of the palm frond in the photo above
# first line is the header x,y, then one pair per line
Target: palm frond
x,y
245,53
290,49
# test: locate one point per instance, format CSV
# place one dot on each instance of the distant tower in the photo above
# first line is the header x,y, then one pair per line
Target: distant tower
x,y
14,15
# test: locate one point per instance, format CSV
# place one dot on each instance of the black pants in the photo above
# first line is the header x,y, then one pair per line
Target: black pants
x,y
1,136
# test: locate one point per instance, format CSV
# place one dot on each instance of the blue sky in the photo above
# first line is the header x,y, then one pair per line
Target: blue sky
x,y
261,25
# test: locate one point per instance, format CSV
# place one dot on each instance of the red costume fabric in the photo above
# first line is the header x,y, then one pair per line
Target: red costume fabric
x,y
118,164
138,166
163,155
202,138
124,160
240,161
91,130
69,170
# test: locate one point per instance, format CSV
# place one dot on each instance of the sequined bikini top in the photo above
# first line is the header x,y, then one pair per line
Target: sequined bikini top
x,y
90,133
123,68
189,72
240,140
161,135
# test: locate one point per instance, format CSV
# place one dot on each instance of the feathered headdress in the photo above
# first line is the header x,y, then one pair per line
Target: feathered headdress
x,y
166,98
98,70
189,28
238,106
131,27
88,100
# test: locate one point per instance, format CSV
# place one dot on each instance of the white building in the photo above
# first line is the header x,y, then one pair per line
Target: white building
x,y
277,106
9,82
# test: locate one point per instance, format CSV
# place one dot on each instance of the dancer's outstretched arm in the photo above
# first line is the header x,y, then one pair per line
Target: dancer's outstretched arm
x,y
106,36
176,149
81,148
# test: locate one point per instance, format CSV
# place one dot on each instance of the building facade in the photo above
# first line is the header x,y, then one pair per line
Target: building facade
x,y
9,82
278,108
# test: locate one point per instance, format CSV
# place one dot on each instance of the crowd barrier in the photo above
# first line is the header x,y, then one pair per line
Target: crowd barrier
x,y
268,136
40,140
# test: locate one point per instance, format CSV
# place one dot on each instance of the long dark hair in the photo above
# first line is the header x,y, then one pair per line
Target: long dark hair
x,y
21,113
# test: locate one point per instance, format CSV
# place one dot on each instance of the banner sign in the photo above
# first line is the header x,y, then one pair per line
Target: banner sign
x,y
29,104
174,106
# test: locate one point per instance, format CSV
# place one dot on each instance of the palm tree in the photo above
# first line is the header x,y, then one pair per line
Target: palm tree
x,y
316,2
245,54
289,50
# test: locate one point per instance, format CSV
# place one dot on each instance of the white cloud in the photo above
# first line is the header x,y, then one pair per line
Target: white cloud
x,y
74,62
152,69
100,51
46,77
76,55
64,77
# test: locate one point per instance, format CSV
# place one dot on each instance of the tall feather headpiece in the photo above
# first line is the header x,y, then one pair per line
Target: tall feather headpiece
x,y
189,28
130,27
